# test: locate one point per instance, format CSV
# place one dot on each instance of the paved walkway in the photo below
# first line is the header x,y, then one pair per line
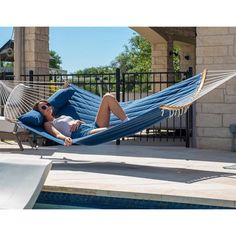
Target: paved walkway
x,y
173,174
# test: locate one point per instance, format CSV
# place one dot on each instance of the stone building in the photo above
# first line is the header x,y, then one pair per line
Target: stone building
x,y
213,48
201,47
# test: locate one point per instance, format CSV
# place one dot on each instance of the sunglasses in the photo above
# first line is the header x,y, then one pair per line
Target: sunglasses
x,y
44,107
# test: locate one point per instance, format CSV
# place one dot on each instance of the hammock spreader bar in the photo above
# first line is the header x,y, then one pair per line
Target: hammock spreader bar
x,y
187,105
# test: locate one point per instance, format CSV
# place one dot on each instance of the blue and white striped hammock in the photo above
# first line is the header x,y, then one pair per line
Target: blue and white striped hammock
x,y
143,113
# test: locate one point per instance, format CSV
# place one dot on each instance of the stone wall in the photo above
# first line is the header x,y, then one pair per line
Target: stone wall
x,y
159,63
37,49
187,50
159,56
216,50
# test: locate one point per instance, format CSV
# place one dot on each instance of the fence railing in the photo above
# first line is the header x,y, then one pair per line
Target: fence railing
x,y
138,85
127,87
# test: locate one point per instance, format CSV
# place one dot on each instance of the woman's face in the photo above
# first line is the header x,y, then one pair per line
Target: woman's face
x,y
45,108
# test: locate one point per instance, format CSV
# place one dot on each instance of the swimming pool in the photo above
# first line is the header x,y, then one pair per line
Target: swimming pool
x,y
56,200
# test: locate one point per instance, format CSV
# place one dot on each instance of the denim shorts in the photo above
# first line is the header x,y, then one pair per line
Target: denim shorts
x,y
84,130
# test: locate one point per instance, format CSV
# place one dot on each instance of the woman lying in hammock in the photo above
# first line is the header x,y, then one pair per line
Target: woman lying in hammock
x,y
66,128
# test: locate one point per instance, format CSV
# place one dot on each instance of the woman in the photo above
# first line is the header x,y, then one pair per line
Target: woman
x,y
66,128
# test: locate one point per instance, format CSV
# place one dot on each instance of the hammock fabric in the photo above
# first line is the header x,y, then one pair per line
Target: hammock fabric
x,y
144,112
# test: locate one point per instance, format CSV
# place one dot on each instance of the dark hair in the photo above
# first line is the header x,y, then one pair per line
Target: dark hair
x,y
36,105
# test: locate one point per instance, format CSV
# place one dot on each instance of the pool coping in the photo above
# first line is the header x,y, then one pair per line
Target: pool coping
x,y
142,196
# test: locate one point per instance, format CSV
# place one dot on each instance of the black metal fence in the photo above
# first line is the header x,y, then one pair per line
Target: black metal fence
x,y
126,87
6,76
138,85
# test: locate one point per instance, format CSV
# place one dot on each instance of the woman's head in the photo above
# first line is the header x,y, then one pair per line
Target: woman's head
x,y
44,107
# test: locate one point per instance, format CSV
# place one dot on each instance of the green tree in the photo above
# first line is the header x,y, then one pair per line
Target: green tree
x,y
7,64
176,62
96,70
136,56
96,78
176,58
55,60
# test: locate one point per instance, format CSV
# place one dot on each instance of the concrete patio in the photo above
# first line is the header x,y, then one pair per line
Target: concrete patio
x,y
161,173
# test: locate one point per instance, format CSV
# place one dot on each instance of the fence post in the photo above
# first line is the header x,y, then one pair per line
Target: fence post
x,y
188,114
31,76
118,84
2,102
118,93
123,87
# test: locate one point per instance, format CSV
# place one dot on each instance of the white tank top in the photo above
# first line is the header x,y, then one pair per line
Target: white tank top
x,y
62,124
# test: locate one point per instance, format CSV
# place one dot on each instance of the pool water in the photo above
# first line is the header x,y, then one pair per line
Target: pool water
x,y
55,200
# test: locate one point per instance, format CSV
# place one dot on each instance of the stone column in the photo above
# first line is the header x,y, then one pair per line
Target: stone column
x,y
216,50
31,50
159,57
159,63
37,50
19,54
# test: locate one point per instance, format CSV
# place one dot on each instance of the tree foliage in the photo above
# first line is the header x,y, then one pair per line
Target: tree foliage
x,y
7,64
55,60
176,58
136,56
97,70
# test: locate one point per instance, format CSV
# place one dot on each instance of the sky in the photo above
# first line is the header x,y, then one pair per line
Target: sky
x,y
83,47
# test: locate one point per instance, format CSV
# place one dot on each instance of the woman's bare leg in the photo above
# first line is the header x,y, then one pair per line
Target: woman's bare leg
x,y
93,131
109,104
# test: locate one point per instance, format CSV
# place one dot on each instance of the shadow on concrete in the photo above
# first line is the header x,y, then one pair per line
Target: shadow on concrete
x,y
158,173
179,153
29,151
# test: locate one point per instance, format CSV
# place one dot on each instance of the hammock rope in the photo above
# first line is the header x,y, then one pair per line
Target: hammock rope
x,y
209,81
19,97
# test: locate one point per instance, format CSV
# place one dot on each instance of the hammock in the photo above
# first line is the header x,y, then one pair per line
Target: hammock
x,y
81,104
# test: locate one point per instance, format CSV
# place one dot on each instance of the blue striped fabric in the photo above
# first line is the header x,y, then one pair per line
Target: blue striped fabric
x,y
143,112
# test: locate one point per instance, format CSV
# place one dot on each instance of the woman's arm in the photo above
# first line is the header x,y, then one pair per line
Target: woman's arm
x,y
53,131
75,125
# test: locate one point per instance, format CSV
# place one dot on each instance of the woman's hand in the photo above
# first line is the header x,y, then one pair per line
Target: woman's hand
x,y
68,141
75,125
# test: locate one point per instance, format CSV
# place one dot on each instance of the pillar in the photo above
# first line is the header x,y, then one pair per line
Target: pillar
x,y
31,50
